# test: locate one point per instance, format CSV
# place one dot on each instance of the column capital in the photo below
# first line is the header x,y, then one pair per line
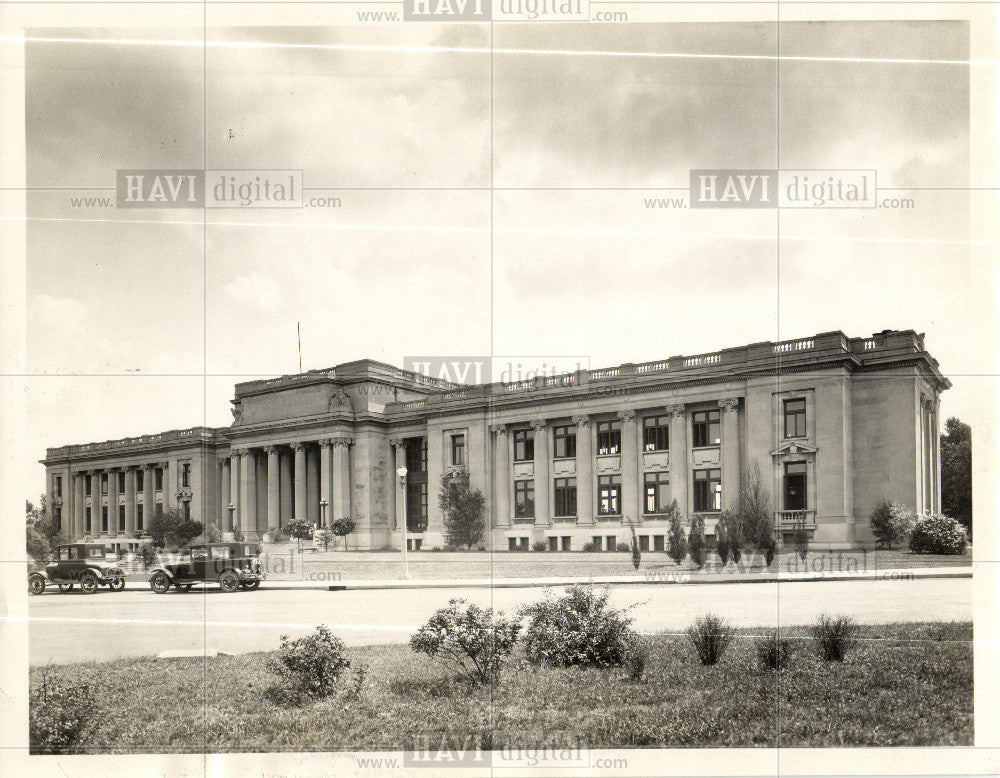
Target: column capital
x,y
325,442
628,415
397,442
729,404
678,410
499,429
270,450
539,424
298,445
246,453
581,421
338,442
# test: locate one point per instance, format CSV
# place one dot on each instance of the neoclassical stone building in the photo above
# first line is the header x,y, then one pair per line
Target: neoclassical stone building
x,y
834,424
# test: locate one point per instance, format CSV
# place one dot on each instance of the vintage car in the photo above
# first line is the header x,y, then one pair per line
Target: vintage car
x,y
86,564
233,566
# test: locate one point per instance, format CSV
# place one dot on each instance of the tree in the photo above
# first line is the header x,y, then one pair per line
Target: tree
x,y
753,507
300,529
342,528
891,522
676,541
463,509
325,536
636,551
172,527
41,533
956,472
722,540
696,541
732,529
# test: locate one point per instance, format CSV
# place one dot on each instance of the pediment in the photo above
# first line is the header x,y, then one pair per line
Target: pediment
x,y
793,447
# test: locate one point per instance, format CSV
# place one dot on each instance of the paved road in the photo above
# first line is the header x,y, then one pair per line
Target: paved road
x,y
73,627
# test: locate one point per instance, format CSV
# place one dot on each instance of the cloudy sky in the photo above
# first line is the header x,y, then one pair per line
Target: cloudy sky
x,y
143,320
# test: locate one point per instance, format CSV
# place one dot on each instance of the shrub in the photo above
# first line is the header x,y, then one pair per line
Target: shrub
x,y
539,545
469,638
676,541
464,509
636,658
722,541
577,629
753,507
772,652
625,548
59,711
696,541
891,522
938,535
710,636
834,636
590,545
310,666
800,541
634,548
731,528
146,554
276,535
341,528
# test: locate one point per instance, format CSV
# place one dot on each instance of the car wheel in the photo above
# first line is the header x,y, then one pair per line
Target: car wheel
x,y
36,584
250,585
89,582
159,583
117,584
229,581
65,588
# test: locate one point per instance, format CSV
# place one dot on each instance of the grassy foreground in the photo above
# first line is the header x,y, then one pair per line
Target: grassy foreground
x,y
908,684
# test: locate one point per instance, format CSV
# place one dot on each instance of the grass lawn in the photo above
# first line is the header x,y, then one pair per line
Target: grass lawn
x,y
906,684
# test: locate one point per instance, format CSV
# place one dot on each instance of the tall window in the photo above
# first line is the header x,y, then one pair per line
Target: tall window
x,y
795,486
609,437
524,445
609,495
88,519
795,418
158,479
57,486
563,442
121,518
416,456
565,497
104,518
656,433
57,516
138,517
458,449
140,480
705,429
186,475
186,508
88,485
707,491
524,499
104,483
121,482
657,492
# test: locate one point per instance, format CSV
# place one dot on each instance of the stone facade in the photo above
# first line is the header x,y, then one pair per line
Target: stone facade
x,y
833,424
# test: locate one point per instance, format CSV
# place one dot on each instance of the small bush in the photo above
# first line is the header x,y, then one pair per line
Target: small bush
x,y
468,638
625,548
676,540
834,637
276,535
590,545
309,666
539,545
636,658
938,535
634,548
800,542
59,711
146,555
697,544
577,629
710,636
891,522
772,652
722,541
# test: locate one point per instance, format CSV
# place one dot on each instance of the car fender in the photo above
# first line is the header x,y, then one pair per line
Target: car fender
x,y
163,570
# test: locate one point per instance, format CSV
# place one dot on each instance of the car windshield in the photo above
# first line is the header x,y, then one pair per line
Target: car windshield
x,y
220,552
249,551
65,553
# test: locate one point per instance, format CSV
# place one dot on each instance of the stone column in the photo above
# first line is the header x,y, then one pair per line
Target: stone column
x,y
326,481
631,509
501,477
543,510
399,503
300,481
248,493
130,502
584,471
96,501
78,506
148,501
936,453
225,492
287,488
730,452
113,503
232,523
273,488
680,472
341,505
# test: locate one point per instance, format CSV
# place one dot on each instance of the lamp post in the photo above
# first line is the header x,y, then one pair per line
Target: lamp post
x,y
322,508
401,472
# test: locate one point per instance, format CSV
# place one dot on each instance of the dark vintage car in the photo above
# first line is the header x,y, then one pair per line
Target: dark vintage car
x,y
86,564
233,566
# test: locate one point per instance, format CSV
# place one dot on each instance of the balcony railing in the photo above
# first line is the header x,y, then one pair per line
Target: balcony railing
x,y
786,520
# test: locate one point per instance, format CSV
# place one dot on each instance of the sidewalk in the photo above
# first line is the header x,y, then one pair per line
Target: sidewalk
x,y
652,577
